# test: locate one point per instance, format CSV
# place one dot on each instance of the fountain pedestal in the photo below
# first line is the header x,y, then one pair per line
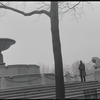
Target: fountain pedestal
x,y
1,59
5,43
3,83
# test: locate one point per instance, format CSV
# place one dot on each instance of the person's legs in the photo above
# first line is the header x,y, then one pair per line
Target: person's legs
x,y
81,78
84,78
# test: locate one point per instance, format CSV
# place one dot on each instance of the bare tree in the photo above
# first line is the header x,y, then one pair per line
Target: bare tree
x,y
66,68
89,67
75,69
44,68
53,10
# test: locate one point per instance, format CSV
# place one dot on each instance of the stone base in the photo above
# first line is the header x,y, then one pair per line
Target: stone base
x,y
3,83
97,74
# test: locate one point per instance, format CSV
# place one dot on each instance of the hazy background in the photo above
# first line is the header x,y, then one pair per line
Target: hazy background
x,y
80,39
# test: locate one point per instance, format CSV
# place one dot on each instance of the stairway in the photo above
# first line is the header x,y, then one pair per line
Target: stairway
x,y
72,90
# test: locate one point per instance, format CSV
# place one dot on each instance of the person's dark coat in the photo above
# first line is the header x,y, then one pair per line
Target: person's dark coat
x,y
82,69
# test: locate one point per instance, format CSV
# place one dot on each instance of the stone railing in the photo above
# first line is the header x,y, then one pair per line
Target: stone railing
x,y
89,77
20,80
36,79
22,75
24,80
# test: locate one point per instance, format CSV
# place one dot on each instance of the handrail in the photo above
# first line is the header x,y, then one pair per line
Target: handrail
x,y
77,75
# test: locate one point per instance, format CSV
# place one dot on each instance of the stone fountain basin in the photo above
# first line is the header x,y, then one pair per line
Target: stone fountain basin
x,y
5,43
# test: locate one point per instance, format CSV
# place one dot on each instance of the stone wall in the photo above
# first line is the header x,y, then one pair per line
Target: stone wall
x,y
26,80
22,75
19,75
48,78
12,70
23,80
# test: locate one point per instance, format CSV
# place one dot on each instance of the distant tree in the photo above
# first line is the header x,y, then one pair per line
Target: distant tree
x,y
66,68
89,67
52,10
75,69
44,68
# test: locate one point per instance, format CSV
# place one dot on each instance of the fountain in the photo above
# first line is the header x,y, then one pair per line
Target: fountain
x,y
5,43
96,61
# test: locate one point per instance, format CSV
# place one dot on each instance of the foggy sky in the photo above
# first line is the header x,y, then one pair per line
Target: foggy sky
x,y
80,40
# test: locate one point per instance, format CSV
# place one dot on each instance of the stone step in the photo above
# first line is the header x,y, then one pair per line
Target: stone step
x,y
69,89
36,90
47,86
52,95
67,95
45,93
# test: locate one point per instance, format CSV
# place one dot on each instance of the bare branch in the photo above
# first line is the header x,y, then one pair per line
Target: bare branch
x,y
44,6
23,13
2,4
6,4
68,8
76,9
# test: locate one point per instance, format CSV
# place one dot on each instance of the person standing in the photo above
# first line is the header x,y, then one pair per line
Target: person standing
x,y
82,71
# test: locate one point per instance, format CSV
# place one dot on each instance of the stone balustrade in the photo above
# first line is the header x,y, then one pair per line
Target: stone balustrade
x,y
23,75
35,79
24,80
20,69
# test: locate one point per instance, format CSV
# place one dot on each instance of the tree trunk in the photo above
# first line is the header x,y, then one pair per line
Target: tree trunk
x,y
59,79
